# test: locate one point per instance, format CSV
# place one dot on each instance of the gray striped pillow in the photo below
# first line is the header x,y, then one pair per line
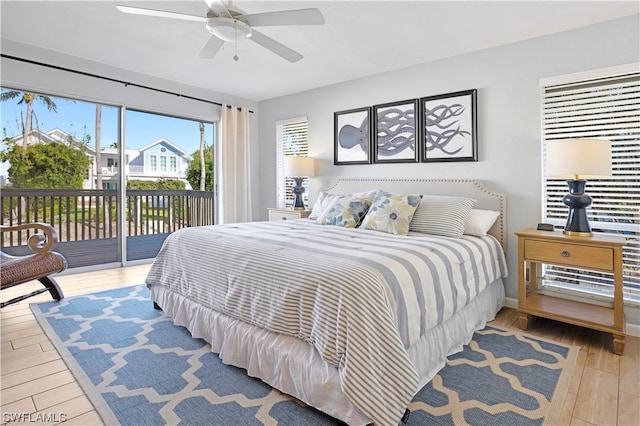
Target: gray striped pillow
x,y
442,215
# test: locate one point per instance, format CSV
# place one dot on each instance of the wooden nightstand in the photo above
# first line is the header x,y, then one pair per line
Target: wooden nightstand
x,y
287,214
598,253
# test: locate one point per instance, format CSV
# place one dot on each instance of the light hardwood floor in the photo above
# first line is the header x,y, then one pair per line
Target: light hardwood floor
x,y
604,390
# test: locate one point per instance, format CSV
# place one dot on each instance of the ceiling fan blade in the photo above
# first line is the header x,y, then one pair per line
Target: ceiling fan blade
x,y
211,48
160,13
284,17
218,7
275,46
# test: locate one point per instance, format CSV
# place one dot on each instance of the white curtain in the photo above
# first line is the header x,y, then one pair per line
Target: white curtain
x,y
234,166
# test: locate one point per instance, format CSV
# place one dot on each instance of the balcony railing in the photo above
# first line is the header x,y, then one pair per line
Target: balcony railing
x,y
142,171
81,217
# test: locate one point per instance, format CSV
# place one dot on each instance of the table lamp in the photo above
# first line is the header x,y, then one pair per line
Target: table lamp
x,y
298,168
576,160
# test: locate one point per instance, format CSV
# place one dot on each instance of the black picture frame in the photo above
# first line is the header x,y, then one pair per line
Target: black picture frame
x,y
396,132
449,127
352,136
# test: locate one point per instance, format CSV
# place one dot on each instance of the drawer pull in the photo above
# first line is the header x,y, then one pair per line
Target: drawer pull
x,y
284,218
565,254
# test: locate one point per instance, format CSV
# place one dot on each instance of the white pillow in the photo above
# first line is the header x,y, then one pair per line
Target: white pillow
x,y
480,221
442,215
325,199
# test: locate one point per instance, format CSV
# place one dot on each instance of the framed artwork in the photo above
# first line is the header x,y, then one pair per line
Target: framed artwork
x,y
449,127
394,140
352,136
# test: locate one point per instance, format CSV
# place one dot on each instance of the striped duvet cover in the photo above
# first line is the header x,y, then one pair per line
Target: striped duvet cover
x,y
359,297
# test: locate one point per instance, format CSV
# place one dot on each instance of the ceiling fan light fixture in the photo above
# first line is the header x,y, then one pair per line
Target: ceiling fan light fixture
x,y
228,29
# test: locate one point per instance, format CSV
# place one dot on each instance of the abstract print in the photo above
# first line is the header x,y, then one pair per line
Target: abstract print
x,y
396,132
449,127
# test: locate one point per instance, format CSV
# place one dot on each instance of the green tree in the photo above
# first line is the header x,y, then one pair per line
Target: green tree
x,y
169,184
53,165
28,99
194,172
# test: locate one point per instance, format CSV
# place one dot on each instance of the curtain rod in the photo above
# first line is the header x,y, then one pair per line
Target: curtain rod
x,y
115,80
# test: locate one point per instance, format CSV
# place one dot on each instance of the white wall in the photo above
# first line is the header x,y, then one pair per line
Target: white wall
x,y
508,115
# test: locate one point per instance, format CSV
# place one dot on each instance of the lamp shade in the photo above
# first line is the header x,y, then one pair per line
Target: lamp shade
x,y
579,158
298,166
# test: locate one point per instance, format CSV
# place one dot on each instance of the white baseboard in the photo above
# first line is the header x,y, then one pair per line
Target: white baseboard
x,y
510,302
632,329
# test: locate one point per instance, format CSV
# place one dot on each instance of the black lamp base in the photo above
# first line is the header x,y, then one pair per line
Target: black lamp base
x,y
577,201
298,189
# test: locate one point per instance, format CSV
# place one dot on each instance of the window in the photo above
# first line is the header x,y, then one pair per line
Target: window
x,y
175,139
291,139
109,218
601,104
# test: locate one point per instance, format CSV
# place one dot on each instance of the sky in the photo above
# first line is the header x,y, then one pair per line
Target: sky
x,y
78,119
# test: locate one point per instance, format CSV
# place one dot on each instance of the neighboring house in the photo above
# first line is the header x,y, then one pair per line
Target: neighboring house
x,y
161,159
158,160
54,135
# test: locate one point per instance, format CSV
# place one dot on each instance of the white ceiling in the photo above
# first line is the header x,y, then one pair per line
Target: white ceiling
x,y
359,38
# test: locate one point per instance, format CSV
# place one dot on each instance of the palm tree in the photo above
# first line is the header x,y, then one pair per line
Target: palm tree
x,y
98,147
203,169
28,99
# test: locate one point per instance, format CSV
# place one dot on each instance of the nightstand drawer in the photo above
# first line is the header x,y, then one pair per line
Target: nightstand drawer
x,y
287,214
567,254
279,215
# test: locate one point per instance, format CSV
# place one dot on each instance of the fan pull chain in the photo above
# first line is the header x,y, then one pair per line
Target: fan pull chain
x,y
235,27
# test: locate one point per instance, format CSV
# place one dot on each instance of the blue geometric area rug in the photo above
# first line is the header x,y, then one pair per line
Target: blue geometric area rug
x,y
138,368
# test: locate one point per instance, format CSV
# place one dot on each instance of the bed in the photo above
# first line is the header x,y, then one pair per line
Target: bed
x,y
352,321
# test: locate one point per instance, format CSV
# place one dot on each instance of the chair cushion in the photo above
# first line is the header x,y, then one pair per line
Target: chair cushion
x,y
19,269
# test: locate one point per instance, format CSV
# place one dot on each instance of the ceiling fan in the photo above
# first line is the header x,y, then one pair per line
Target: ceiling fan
x,y
228,24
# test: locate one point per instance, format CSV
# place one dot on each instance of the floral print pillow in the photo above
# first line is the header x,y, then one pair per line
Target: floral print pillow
x,y
325,199
345,211
391,213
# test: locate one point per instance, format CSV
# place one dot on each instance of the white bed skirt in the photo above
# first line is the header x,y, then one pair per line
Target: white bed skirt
x,y
294,367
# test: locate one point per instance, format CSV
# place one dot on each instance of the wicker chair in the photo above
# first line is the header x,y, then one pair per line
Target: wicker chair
x,y
39,265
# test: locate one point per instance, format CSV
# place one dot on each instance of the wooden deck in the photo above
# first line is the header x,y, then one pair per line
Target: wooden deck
x,y
605,388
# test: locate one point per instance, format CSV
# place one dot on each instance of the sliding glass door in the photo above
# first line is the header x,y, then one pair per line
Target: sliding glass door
x,y
110,199
169,179
52,155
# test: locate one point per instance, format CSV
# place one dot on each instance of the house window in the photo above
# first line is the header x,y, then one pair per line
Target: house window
x,y
292,139
173,163
153,163
163,163
601,104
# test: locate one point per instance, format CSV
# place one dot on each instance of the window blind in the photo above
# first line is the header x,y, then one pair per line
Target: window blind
x,y
607,107
292,139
